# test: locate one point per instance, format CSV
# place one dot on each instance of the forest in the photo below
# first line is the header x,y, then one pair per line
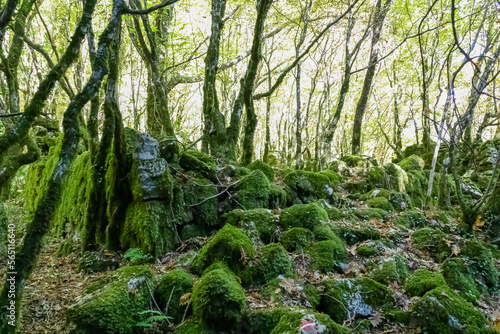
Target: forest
x,y
249,167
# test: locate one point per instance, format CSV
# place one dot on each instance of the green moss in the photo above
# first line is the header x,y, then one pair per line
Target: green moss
x,y
67,247
481,264
218,300
333,212
172,286
400,201
335,178
150,170
292,320
196,189
376,177
94,261
459,277
277,197
263,320
389,270
370,248
296,239
147,227
369,213
196,161
357,161
192,327
327,255
350,298
411,218
417,187
303,215
324,232
396,177
413,162
118,306
309,186
432,240
423,280
227,245
443,311
264,168
193,231
253,191
275,261
380,203
376,193
272,290
355,231
261,223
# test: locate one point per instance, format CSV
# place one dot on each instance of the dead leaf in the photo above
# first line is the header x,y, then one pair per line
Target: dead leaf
x,y
376,318
455,250
478,224
185,298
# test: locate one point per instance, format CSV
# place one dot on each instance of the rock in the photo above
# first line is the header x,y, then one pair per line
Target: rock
x,y
310,186
389,270
172,286
275,261
303,215
257,223
396,176
94,261
253,191
422,281
296,239
328,255
264,168
413,162
169,149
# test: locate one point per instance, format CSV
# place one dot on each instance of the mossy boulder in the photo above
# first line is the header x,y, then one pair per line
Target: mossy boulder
x,y
378,192
148,228
296,239
328,255
389,270
192,160
370,248
354,160
353,298
355,231
324,232
458,276
172,286
309,186
200,198
275,261
369,213
303,215
96,261
253,190
422,281
481,264
431,240
227,245
218,300
306,321
335,178
333,212
277,196
376,177
443,311
411,218
380,203
413,162
396,177
260,223
264,168
263,320
118,306
191,326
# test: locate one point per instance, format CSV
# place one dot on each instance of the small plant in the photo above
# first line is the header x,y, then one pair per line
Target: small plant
x,y
136,256
155,317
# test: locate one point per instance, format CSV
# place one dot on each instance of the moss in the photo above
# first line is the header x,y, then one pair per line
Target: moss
x,y
196,161
309,186
147,227
118,306
389,270
263,320
227,245
296,239
332,212
303,215
335,178
357,161
443,311
400,201
94,261
376,177
193,231
261,223
172,286
396,177
417,187
272,291
150,179
432,240
327,255
67,247
196,189
337,166
192,327
380,203
422,281
378,192
253,191
411,218
218,300
264,168
275,261
481,264
369,213
413,162
458,277
293,320
350,298
354,231
277,197
324,232
370,248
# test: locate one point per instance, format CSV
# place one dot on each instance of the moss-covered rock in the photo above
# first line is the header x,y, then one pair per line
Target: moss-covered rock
x,y
335,178
380,203
369,213
354,160
333,212
376,177
412,219
263,167
253,191
481,264
218,300
396,177
196,161
172,286
305,321
309,186
413,162
275,261
417,187
263,320
353,298
327,255
422,281
277,197
190,231
443,311
459,277
96,261
303,215
370,248
389,270
432,240
324,232
147,227
118,306
227,245
192,327
261,223
296,239
200,198
355,231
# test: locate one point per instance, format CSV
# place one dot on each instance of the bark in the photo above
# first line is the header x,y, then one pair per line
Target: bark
x,y
6,14
379,18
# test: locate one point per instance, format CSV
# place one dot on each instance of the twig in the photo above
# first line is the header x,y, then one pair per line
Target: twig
x,y
216,195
